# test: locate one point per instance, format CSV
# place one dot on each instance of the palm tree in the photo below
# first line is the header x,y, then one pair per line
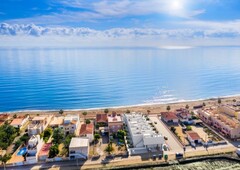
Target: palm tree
x,y
168,108
84,114
219,101
187,107
148,111
60,111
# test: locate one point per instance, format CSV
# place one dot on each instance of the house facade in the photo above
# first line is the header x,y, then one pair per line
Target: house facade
x,y
87,130
70,124
79,148
19,122
141,133
39,124
115,123
169,117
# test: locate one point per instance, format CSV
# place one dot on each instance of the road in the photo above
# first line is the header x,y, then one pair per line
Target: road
x,y
172,142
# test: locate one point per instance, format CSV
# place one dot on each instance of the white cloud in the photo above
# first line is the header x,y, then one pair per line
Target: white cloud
x,y
30,35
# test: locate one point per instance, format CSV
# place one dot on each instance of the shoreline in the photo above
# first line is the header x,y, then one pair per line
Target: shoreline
x,y
146,106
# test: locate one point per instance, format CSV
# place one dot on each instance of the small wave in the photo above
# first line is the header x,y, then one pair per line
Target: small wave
x,y
176,47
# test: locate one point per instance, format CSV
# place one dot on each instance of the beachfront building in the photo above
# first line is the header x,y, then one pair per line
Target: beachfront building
x,y
232,110
56,122
19,122
142,135
102,120
79,148
39,124
115,123
169,117
34,146
87,130
70,124
184,116
3,118
193,138
228,125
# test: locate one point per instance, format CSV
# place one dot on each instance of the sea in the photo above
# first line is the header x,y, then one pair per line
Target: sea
x,y
82,78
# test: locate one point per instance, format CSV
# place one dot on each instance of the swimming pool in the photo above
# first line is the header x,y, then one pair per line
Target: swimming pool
x,y
22,151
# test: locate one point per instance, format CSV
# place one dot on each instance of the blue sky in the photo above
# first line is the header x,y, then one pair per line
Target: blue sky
x,y
201,22
107,14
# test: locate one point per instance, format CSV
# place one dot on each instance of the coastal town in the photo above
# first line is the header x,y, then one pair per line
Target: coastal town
x,y
114,138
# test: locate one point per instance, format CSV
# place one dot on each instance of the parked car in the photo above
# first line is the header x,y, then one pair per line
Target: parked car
x,y
154,157
179,155
160,156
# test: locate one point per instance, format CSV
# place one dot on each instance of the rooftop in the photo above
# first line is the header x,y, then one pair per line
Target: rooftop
x,y
17,121
79,142
45,149
101,118
39,118
86,129
114,118
57,121
169,115
193,135
138,125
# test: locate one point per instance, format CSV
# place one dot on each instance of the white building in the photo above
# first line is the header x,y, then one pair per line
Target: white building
x,y
142,134
39,124
35,144
19,122
70,124
79,148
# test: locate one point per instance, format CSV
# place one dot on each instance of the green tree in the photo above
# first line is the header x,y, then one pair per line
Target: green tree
x,y
4,159
97,137
121,134
109,149
234,100
219,101
61,111
88,121
106,110
47,133
15,116
189,128
148,111
128,111
57,136
168,108
84,114
53,151
187,107
166,157
204,104
7,135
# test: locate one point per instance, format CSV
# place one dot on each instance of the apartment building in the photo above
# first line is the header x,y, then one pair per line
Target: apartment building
x,y
227,124
142,134
70,124
232,110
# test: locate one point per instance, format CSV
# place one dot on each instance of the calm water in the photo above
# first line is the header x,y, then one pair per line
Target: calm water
x,y
46,79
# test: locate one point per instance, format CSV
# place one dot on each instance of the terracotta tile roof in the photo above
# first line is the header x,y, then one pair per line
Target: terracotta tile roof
x,y
45,149
101,118
4,117
86,129
17,121
168,115
193,135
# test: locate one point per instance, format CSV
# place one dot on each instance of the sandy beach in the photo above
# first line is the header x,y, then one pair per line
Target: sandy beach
x,y
153,108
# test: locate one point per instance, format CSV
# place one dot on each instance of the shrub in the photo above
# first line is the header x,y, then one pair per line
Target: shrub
x,y
189,128
106,110
53,151
88,121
